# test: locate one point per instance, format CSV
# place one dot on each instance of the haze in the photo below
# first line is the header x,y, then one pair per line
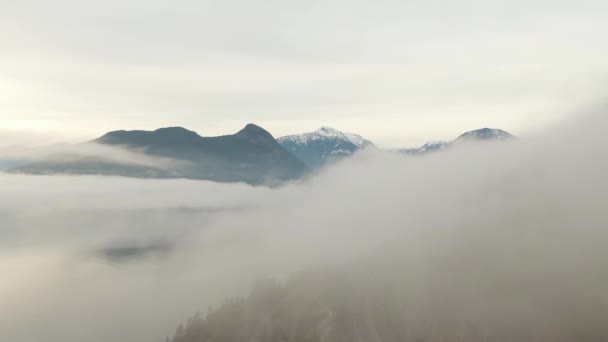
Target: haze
x,y
398,73
484,227
318,171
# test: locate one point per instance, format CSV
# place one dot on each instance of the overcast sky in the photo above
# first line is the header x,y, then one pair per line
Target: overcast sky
x,y
397,72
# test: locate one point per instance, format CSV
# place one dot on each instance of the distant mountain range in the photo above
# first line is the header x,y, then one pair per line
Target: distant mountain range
x,y
323,146
10,164
483,134
251,155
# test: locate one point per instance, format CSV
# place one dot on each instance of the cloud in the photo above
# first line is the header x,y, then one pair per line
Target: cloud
x,y
85,151
506,236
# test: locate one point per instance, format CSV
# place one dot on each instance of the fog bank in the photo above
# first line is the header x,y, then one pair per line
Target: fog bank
x,y
505,237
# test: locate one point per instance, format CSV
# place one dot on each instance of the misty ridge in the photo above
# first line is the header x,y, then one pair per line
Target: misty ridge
x,y
481,242
251,156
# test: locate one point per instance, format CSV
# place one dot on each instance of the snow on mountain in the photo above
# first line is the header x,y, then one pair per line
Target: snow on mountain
x,y
357,139
323,145
483,134
324,133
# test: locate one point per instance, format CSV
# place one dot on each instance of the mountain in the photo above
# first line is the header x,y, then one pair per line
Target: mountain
x,y
430,146
323,145
483,134
251,155
7,164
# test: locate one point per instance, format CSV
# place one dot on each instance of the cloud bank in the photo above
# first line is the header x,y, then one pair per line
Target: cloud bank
x,y
503,237
60,153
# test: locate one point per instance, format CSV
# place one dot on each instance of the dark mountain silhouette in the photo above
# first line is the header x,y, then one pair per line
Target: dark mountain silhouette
x,y
252,156
485,134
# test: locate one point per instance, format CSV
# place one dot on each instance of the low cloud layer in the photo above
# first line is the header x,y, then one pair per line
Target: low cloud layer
x,y
507,236
11,156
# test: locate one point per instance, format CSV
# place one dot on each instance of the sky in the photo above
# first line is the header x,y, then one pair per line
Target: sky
x,y
397,72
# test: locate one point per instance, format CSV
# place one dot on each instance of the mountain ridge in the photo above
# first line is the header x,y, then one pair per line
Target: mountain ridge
x,y
477,135
323,146
251,155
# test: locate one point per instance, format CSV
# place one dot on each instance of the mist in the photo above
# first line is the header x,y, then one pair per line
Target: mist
x,y
19,155
509,238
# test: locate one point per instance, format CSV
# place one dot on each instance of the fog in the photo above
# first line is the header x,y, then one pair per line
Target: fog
x,y
506,237
20,154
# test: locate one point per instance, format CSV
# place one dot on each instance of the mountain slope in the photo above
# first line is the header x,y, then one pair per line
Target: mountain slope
x,y
252,155
478,135
7,164
485,134
323,145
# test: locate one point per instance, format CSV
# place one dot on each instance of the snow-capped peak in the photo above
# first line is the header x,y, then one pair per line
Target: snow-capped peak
x,y
357,139
475,135
329,132
325,133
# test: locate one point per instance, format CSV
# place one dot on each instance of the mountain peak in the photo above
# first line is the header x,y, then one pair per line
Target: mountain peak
x,y
325,133
482,134
325,144
251,130
486,134
138,137
176,129
176,133
327,130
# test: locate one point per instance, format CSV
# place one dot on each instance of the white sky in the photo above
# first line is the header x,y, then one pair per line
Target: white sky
x,y
397,72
